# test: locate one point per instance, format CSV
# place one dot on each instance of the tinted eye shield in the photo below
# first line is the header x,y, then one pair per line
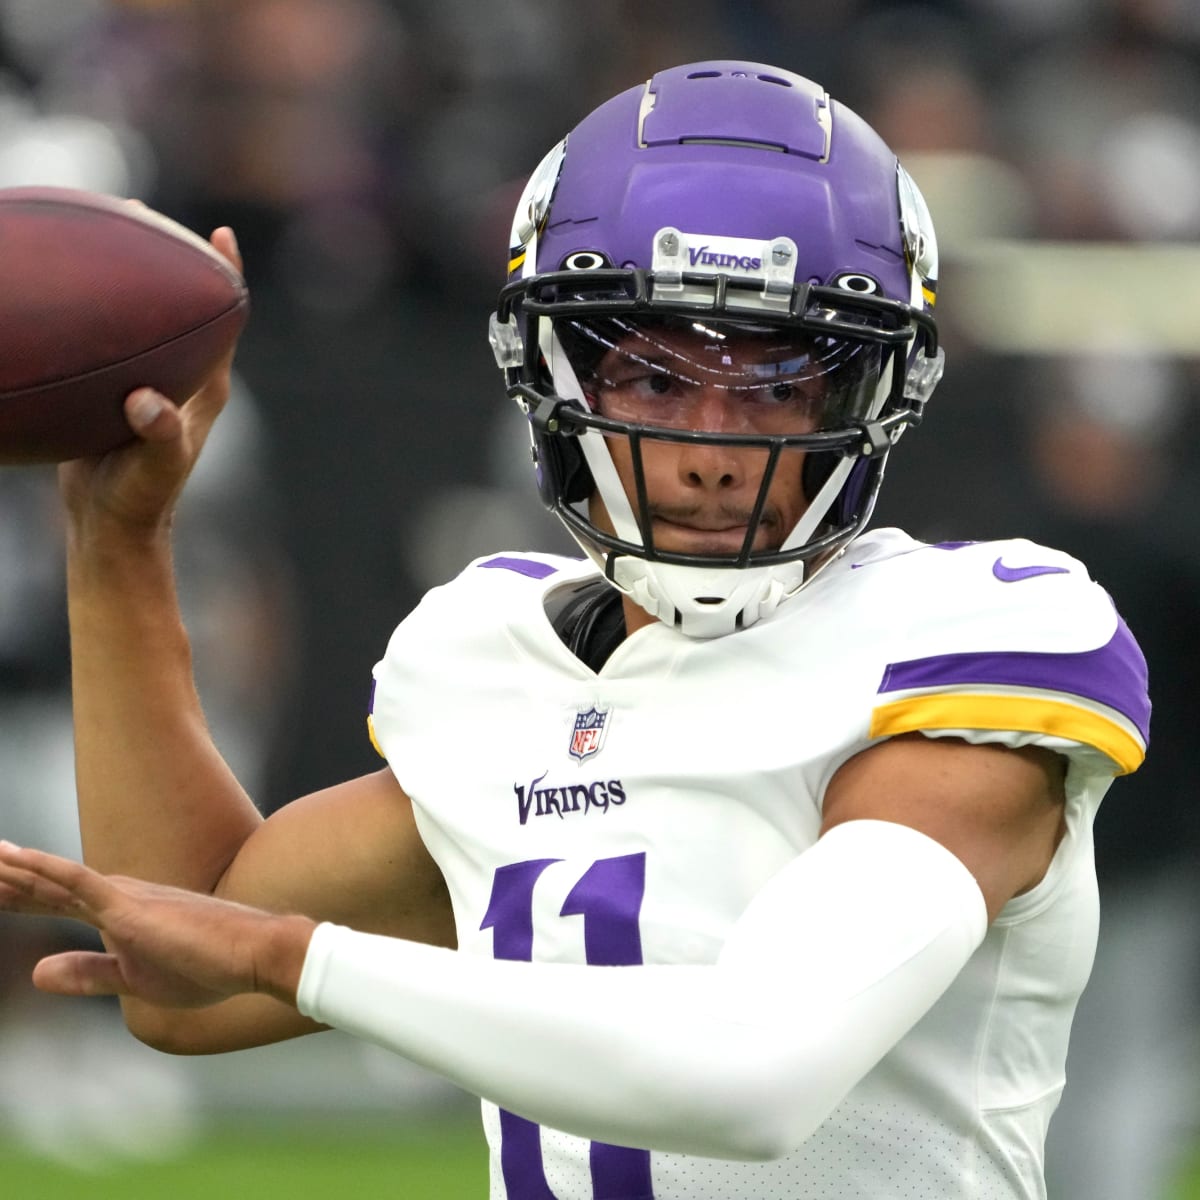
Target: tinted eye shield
x,y
652,370
827,311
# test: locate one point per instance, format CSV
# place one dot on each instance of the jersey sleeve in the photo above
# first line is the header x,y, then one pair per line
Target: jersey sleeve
x,y
1021,648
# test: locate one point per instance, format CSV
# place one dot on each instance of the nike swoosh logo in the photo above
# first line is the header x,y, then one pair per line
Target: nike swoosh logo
x,y
1015,574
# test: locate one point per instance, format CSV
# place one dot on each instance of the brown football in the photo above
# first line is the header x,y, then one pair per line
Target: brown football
x,y
99,296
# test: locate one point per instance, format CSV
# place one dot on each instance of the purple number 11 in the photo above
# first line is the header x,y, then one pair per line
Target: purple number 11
x,y
609,898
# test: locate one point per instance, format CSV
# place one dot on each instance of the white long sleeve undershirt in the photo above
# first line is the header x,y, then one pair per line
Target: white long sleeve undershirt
x,y
830,965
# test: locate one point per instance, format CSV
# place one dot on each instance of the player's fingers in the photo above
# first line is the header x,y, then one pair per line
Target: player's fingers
x,y
21,892
80,973
70,887
152,416
224,241
172,437
32,896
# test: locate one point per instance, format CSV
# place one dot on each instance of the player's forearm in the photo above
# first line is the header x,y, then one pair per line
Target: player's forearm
x,y
156,800
831,965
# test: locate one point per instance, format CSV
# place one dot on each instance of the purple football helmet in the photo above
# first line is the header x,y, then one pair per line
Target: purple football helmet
x,y
737,199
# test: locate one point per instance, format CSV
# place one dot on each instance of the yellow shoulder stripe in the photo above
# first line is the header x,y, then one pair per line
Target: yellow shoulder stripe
x,y
1021,713
374,739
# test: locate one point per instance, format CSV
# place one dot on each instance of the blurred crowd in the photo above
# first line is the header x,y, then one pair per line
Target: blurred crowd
x,y
369,155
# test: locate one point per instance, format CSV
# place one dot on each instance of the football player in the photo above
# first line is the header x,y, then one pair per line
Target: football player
x,y
748,855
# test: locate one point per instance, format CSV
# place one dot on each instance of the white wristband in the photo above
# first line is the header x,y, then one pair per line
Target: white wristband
x,y
832,963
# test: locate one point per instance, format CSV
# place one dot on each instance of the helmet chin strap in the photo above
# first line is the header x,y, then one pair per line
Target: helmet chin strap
x,y
609,487
820,505
825,499
593,444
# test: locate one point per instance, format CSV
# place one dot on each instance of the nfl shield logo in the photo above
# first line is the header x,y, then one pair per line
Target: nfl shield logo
x,y
588,735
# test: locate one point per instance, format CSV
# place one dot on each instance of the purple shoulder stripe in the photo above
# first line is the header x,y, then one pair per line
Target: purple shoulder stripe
x,y
1114,674
522,566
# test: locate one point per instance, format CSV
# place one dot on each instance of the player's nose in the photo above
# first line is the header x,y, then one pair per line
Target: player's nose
x,y
714,465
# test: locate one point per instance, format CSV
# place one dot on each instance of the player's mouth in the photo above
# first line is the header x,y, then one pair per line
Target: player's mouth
x,y
710,533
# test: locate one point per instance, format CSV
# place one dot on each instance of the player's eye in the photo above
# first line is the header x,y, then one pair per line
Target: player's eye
x,y
646,383
776,394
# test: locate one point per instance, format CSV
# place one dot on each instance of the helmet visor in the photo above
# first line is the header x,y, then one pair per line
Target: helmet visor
x,y
719,376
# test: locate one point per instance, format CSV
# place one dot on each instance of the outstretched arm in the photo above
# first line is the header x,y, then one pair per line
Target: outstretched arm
x,y
740,1059
831,964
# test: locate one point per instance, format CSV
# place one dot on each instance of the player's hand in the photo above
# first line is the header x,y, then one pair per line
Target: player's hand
x,y
136,486
166,946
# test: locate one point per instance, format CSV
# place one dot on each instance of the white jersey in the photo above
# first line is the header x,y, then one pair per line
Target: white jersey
x,y
629,815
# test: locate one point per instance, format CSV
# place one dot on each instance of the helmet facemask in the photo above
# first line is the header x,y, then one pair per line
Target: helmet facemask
x,y
752,395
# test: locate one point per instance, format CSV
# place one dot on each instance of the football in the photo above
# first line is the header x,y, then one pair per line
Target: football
x,y
98,296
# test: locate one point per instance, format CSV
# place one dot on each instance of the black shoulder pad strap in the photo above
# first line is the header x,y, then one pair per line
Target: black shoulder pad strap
x,y
592,623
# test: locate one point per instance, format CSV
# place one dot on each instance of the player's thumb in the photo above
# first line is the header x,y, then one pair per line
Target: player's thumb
x,y
80,973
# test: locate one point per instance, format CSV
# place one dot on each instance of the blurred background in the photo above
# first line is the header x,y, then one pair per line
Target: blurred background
x,y
369,155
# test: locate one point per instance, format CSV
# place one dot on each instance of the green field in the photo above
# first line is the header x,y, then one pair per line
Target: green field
x,y
306,1162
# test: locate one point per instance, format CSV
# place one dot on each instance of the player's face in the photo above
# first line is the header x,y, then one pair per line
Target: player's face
x,y
716,381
